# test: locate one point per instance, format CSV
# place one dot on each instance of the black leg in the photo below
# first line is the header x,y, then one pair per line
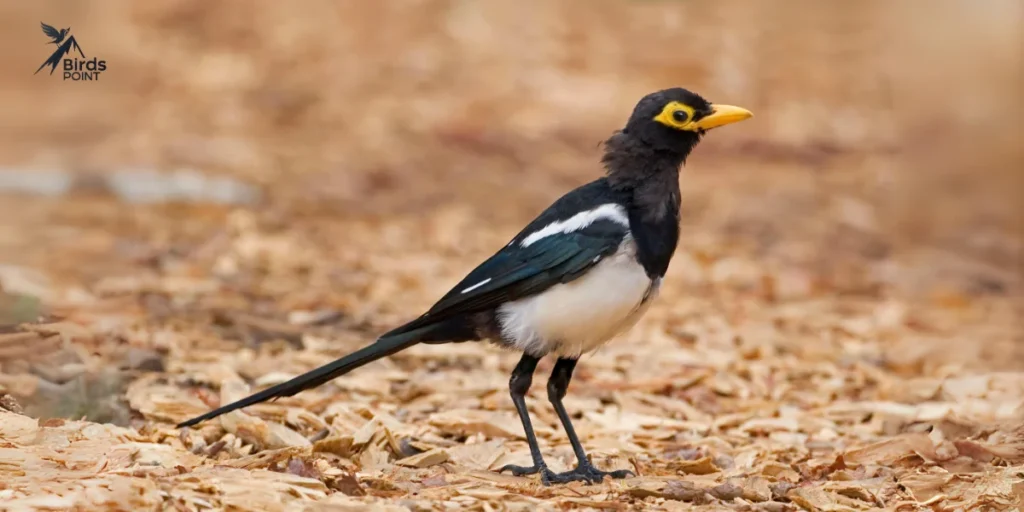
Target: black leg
x,y
558,384
518,385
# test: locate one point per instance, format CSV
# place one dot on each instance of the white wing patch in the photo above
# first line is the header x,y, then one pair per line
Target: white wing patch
x,y
475,286
609,211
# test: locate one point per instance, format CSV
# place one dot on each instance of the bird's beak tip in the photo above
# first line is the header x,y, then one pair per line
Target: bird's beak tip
x,y
723,115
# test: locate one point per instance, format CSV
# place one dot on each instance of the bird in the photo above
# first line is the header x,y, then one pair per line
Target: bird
x,y
52,33
582,272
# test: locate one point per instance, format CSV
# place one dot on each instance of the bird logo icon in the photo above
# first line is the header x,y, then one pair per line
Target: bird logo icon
x,y
65,43
52,33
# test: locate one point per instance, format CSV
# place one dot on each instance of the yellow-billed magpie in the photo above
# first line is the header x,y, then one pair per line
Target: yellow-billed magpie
x,y
579,274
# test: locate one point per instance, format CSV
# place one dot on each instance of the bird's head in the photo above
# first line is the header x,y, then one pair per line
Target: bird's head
x,y
674,119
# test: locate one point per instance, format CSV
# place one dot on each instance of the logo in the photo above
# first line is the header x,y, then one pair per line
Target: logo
x,y
74,69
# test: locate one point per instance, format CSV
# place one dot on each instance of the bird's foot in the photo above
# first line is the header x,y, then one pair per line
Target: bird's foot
x,y
583,473
586,472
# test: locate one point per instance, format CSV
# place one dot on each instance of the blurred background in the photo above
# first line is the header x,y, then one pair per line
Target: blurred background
x,y
316,154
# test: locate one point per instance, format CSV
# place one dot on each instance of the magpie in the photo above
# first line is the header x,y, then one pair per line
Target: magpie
x,y
582,272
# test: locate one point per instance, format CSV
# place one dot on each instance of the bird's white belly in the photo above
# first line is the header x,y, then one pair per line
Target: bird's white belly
x,y
580,316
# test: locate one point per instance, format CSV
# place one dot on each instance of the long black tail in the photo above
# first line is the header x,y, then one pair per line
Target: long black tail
x,y
383,347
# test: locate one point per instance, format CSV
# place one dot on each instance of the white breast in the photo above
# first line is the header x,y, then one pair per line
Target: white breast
x,y
582,315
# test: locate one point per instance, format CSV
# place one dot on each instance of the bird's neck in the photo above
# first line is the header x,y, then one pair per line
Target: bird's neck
x,y
649,176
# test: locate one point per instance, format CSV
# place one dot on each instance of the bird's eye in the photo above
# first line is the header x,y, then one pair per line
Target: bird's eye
x,y
676,115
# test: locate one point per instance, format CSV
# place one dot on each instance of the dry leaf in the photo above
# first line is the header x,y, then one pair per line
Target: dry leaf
x,y
756,489
814,499
891,449
338,445
477,455
780,472
467,422
1013,453
673,490
701,466
425,459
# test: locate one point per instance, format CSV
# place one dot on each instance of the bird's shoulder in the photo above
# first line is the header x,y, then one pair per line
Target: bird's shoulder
x,y
590,197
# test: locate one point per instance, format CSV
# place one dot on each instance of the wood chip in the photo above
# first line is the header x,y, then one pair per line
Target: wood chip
x,y
425,459
701,466
464,422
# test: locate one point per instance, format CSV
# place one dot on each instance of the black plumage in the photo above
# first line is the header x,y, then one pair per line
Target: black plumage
x,y
581,272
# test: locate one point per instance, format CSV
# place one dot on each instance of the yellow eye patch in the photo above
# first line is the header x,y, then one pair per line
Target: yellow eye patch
x,y
676,115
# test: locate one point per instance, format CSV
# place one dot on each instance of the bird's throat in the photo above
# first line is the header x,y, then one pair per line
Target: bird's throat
x,y
650,176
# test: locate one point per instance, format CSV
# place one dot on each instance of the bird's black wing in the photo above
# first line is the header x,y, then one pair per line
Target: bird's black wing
x,y
50,31
518,271
515,272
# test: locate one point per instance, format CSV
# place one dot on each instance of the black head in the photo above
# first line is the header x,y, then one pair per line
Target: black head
x,y
675,119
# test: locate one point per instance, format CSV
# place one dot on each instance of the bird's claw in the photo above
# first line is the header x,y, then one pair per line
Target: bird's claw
x,y
521,470
583,473
587,473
